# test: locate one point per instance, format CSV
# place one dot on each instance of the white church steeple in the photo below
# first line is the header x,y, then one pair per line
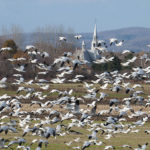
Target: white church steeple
x,y
83,46
90,55
94,41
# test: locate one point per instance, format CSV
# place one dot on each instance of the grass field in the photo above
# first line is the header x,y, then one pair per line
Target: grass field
x,y
132,139
78,90
117,139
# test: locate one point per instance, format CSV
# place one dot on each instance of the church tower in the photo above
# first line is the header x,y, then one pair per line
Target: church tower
x,y
83,46
90,55
94,41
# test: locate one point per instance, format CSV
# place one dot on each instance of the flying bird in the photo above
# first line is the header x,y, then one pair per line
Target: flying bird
x,y
78,36
61,38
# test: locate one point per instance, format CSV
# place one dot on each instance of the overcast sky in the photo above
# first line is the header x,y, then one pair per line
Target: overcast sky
x,y
78,14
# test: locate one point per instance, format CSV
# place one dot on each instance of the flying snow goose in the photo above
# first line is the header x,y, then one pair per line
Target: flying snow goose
x,y
126,51
119,44
61,38
5,49
78,36
113,40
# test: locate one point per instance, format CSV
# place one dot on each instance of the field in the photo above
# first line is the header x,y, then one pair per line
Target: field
x,y
136,134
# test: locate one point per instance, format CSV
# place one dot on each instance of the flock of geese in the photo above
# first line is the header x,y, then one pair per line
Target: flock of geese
x,y
69,114
102,45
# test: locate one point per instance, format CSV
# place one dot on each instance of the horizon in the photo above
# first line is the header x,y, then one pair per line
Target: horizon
x,y
32,32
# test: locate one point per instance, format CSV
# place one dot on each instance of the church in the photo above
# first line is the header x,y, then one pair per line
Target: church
x,y
89,55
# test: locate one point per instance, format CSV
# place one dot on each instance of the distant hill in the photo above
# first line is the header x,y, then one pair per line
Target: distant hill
x,y
136,38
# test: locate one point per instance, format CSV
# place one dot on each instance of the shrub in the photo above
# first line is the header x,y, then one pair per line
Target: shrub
x,y
19,54
110,66
129,56
10,43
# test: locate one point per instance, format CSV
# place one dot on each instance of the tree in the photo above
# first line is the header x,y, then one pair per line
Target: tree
x,y
47,39
129,56
110,66
9,53
16,33
13,32
10,43
116,64
20,54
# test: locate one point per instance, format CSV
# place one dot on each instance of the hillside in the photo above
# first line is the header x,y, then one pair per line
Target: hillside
x,y
136,38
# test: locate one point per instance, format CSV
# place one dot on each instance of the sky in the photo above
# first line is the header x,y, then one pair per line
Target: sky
x,y
80,15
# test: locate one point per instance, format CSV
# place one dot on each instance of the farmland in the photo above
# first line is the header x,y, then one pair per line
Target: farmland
x,y
124,135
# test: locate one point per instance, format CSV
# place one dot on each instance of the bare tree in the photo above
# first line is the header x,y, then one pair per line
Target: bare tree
x,y
70,33
47,39
5,34
17,34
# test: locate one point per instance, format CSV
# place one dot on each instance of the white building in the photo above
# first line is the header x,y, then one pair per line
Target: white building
x,y
91,54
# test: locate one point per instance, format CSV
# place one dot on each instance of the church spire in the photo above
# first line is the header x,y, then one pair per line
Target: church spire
x,y
95,34
94,41
83,46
